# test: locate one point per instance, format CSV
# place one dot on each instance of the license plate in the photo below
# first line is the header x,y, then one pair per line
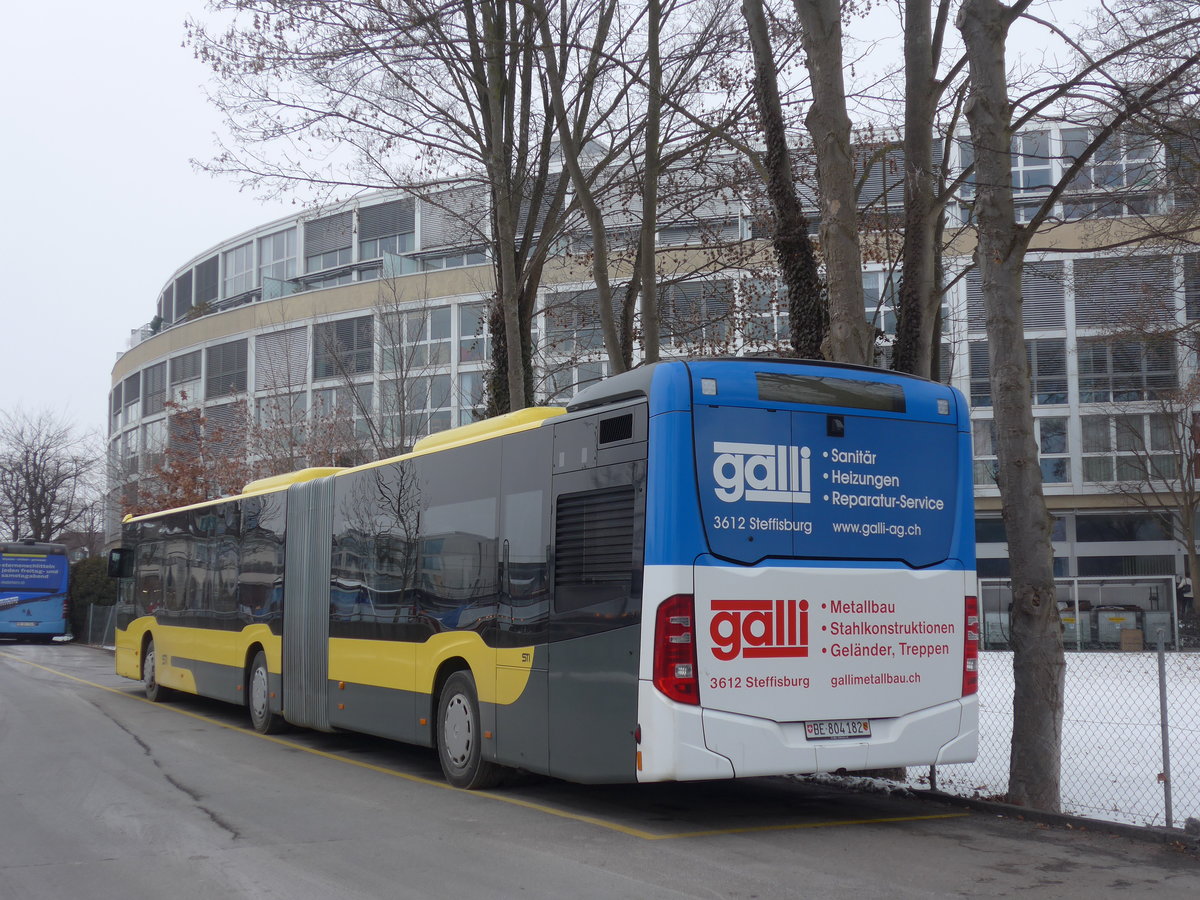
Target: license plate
x,y
26,624
837,729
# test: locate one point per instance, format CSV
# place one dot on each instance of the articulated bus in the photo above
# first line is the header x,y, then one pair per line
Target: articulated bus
x,y
33,590
696,570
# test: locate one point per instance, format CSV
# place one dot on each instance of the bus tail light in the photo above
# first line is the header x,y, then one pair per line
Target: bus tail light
x,y
675,650
971,648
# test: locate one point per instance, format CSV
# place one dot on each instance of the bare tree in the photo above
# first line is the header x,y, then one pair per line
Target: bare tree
x,y
409,94
1157,460
641,67
1038,661
850,339
46,473
808,314
204,458
917,332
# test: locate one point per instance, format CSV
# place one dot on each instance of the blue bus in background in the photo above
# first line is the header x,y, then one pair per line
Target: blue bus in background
x,y
33,591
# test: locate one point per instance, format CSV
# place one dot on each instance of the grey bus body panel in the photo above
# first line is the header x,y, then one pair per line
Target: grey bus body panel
x,y
593,705
214,680
599,492
384,712
306,604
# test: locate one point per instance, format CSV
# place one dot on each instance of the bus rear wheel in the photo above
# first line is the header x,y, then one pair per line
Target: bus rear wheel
x,y
459,738
258,698
155,692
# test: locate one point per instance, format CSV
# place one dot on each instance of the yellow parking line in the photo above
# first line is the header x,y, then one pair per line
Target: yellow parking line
x,y
502,798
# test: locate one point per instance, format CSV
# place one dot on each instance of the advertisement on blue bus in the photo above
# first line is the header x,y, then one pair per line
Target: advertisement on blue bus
x,y
33,591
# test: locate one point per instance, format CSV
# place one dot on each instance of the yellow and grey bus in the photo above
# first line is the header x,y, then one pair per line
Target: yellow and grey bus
x,y
706,569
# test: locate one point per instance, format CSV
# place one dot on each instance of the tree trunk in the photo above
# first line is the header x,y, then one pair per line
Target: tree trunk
x,y
1038,663
807,314
571,150
647,258
850,335
919,296
506,204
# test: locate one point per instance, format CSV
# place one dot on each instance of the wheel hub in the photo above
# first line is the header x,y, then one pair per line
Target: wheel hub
x,y
456,731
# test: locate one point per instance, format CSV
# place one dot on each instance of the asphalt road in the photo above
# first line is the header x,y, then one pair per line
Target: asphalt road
x,y
104,795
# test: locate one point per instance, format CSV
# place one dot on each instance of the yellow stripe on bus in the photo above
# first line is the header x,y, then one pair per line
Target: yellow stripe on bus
x,y
501,674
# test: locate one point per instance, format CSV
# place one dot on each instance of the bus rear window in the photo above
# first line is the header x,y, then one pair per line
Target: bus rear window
x,y
820,390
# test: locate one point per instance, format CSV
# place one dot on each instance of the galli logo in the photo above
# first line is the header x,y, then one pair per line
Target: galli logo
x,y
772,473
759,629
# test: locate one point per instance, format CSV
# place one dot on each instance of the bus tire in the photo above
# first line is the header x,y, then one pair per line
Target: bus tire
x,y
258,698
155,692
459,737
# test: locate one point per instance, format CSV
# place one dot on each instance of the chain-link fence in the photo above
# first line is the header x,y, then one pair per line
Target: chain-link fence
x,y
1119,612
1113,764
98,627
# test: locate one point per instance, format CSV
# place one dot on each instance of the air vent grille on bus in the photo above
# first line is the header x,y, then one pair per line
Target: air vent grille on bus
x,y
594,539
617,428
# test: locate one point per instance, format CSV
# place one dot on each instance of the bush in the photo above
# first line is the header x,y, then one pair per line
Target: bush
x,y
90,586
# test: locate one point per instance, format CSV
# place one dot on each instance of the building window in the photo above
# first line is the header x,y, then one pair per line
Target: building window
x,y
129,452
697,314
343,348
1129,447
414,406
415,339
185,376
239,269
1115,181
183,294
474,342
881,292
1053,450
352,404
280,359
154,380
1054,457
573,323
564,383
208,280
1122,527
1138,289
1047,370
114,418
154,443
395,244
328,281
225,369
1111,566
328,242
1047,358
277,256
1031,162
281,423
387,228
764,312
1116,371
132,393
472,388
1043,297
981,385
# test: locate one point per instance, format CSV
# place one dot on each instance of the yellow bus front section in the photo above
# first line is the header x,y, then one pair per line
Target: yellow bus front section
x,y
207,661
212,662
501,674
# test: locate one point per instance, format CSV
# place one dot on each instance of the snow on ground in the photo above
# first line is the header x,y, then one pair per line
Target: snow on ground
x,y
1112,741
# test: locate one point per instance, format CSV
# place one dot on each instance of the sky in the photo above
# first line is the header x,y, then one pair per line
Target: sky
x,y
103,109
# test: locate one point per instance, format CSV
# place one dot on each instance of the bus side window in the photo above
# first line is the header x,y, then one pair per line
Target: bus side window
x,y
120,562
148,594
